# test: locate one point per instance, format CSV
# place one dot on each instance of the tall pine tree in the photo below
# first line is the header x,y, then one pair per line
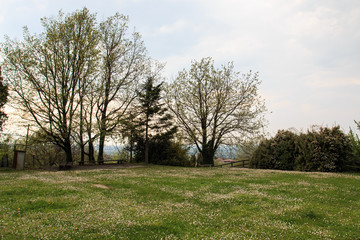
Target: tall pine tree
x,y
154,121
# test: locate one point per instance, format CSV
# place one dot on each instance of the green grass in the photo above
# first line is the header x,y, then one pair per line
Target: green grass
x,y
178,203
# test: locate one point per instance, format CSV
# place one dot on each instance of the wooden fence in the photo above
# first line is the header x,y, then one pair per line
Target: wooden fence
x,y
240,163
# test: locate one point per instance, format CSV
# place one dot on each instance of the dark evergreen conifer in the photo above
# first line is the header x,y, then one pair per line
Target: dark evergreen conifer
x,y
154,123
3,100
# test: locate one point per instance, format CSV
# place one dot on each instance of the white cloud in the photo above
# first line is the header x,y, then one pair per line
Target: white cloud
x,y
179,25
40,5
328,82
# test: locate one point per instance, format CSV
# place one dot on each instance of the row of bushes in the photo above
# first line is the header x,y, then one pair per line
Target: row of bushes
x,y
321,149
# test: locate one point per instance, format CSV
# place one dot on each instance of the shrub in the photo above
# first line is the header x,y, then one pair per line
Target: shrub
x,y
325,150
284,150
355,144
163,151
277,152
262,156
44,155
322,149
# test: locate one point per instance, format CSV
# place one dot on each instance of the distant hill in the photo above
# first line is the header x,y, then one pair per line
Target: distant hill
x,y
223,152
110,149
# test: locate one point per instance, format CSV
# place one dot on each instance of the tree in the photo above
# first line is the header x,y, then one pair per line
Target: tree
x,y
46,72
130,131
357,124
3,100
155,119
89,118
213,106
86,131
123,64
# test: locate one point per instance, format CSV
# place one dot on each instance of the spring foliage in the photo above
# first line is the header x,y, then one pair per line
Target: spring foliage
x,y
76,76
214,106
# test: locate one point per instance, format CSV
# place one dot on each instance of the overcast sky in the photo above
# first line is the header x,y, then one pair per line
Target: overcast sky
x,y
306,52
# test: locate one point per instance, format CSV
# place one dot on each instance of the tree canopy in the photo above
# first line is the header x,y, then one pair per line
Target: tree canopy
x,y
74,73
124,63
215,106
44,72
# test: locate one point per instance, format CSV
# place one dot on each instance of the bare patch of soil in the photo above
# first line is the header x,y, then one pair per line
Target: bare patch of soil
x,y
96,166
101,186
106,166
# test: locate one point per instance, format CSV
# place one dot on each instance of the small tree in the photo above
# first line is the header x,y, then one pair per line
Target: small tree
x,y
214,106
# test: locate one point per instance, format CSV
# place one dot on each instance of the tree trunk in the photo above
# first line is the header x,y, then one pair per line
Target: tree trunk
x,y
101,148
147,139
103,119
102,134
146,151
91,152
68,152
207,154
82,154
131,145
81,132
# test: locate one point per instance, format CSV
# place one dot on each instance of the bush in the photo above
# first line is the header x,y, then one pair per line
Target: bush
x,y
176,155
44,155
355,144
277,152
5,155
323,149
41,152
284,150
262,156
163,151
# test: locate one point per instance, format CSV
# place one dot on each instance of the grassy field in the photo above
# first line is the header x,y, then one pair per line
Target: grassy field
x,y
178,203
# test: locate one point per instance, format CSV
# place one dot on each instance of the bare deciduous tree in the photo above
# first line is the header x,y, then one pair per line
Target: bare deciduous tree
x,y
124,61
46,70
213,106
